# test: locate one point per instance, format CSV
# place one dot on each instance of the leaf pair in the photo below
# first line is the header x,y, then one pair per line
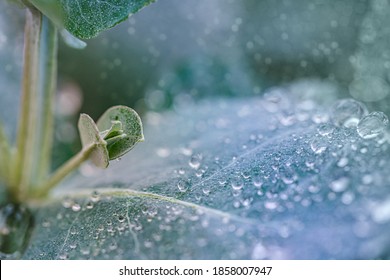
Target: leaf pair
x,y
115,133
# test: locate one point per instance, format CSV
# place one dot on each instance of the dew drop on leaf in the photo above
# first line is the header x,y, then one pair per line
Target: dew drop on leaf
x,y
89,205
325,129
195,161
67,202
95,197
372,125
121,218
182,186
76,207
319,145
237,183
347,112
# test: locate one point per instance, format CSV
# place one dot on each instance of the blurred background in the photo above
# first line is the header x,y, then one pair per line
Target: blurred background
x,y
177,52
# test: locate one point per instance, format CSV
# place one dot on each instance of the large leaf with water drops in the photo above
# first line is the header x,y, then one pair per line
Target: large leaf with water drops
x,y
263,178
87,18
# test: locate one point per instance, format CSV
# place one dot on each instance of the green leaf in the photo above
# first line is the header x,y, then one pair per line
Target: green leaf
x,y
72,41
132,225
89,135
116,133
255,178
87,18
130,127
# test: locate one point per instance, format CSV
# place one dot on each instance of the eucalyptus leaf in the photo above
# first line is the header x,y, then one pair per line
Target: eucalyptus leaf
x,y
131,127
72,41
255,178
87,18
89,135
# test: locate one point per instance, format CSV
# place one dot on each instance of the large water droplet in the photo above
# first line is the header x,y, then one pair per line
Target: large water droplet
x,y
195,161
89,205
319,145
372,125
76,207
95,197
347,112
182,186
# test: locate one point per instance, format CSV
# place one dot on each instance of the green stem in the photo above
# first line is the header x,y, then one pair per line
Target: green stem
x,y
47,89
23,161
4,155
72,164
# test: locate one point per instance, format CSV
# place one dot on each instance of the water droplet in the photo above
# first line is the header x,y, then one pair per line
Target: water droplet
x,y
257,181
325,129
76,207
63,256
182,186
347,112
246,174
67,202
95,197
287,174
372,125
206,190
237,183
181,171
319,145
195,161
89,205
340,184
121,218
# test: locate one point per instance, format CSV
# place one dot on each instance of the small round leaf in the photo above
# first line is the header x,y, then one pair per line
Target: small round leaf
x,y
131,126
90,135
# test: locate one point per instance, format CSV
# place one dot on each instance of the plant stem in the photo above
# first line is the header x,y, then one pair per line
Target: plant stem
x,y
46,93
35,133
4,155
23,160
64,170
